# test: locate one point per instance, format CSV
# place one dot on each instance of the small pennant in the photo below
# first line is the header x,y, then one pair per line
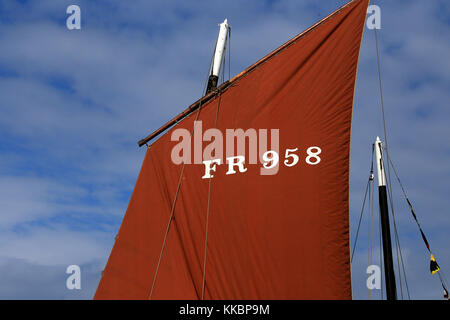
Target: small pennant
x,y
434,267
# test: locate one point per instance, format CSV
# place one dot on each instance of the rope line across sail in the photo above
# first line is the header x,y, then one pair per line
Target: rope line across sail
x,y
208,211
172,212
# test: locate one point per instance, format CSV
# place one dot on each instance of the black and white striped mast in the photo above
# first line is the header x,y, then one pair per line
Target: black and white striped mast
x,y
216,63
391,291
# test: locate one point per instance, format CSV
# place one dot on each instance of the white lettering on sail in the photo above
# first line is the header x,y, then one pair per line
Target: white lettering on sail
x,y
239,163
272,158
209,168
294,157
236,140
274,145
313,155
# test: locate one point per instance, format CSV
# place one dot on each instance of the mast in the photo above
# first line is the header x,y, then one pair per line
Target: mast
x,y
391,290
218,55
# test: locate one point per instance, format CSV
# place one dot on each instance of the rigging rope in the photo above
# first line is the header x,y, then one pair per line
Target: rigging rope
x,y
381,256
229,53
207,211
434,267
371,196
398,248
359,223
210,180
363,206
172,211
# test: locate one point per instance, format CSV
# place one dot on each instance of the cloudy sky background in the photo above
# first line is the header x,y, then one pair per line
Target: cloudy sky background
x,y
74,103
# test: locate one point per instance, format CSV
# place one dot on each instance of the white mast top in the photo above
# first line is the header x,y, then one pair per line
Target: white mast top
x,y
220,48
380,163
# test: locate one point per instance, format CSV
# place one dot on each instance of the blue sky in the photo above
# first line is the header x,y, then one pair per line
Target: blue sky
x,y
74,103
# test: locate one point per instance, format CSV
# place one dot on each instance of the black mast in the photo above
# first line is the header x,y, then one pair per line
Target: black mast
x,y
391,290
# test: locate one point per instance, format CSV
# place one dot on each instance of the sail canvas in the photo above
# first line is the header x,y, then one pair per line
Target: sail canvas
x,y
250,235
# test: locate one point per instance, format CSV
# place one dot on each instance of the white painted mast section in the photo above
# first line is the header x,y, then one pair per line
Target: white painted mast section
x,y
380,162
220,48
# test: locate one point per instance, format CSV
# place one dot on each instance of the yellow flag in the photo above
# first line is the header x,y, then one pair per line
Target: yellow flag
x,y
434,267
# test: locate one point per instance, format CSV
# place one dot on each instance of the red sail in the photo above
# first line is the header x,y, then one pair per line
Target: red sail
x,y
281,236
